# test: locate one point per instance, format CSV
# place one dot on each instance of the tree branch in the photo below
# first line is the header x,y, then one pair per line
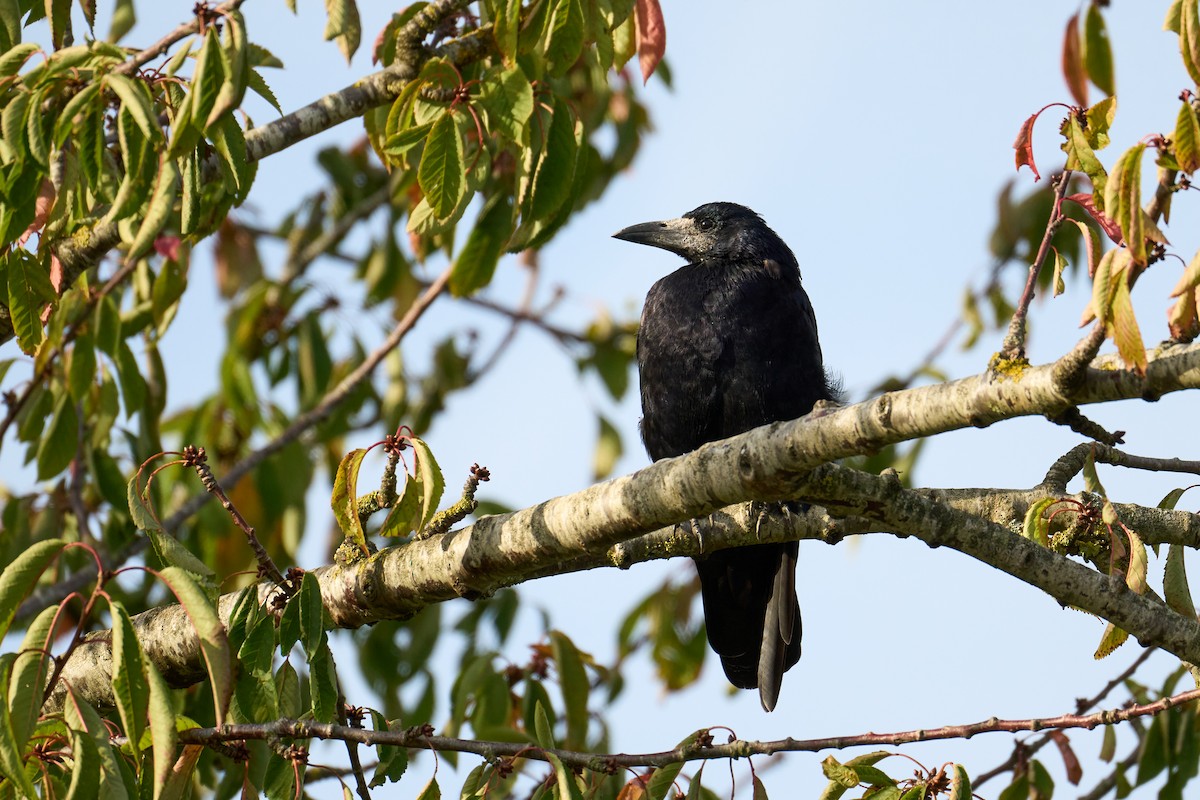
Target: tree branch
x,y
84,248
700,751
783,461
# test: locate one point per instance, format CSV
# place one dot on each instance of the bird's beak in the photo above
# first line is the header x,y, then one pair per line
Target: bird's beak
x,y
675,235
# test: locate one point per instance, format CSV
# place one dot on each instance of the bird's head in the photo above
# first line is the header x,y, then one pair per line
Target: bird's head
x,y
714,232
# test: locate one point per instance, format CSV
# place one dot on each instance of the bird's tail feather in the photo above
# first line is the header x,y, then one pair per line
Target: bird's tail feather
x,y
780,628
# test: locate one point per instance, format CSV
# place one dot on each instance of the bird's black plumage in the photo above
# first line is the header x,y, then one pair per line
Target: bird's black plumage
x,y
727,343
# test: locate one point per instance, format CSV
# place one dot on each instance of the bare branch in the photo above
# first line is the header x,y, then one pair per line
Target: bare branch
x,y
738,748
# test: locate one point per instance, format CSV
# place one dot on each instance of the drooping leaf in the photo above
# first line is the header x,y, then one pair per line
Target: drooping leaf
x,y
432,482
1074,71
214,645
1175,583
343,26
162,203
29,290
1097,51
345,498
441,171
1112,638
1187,138
1125,331
122,21
1037,527
135,97
651,37
130,690
476,262
59,443
565,35
1024,147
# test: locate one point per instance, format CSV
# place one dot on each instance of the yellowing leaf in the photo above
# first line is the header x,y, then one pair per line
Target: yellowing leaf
x,y
345,498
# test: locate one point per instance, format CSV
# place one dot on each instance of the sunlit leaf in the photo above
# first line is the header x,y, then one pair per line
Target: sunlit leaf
x,y
345,498
441,171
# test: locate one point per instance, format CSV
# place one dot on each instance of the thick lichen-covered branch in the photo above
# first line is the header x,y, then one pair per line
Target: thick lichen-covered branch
x,y
787,460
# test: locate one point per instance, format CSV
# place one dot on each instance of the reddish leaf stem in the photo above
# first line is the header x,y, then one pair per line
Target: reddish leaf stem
x,y
1014,341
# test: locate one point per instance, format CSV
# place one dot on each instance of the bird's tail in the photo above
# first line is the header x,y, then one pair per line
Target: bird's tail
x,y
752,614
781,626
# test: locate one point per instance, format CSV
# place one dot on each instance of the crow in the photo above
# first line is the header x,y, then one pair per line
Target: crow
x,y
727,343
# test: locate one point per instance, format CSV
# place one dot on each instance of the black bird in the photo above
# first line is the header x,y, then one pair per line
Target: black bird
x,y
727,343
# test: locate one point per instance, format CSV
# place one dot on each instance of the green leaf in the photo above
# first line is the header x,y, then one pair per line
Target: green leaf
x,y
312,615
135,97
162,202
18,578
505,28
59,14
11,749
543,732
105,780
432,482
235,60
838,773
29,290
564,36
1187,138
256,83
133,385
323,685
214,645
141,510
1175,583
1097,51
404,517
567,784
476,262
1081,156
431,791
171,552
59,443
81,368
1122,201
404,140
573,680
236,166
123,19
1135,576
1189,40
130,690
314,365
1108,747
441,171
551,184
163,732
31,670
107,324
507,96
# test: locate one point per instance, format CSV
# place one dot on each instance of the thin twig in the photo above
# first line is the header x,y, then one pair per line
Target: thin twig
x,y
1014,341
1071,463
738,748
160,47
196,458
1029,748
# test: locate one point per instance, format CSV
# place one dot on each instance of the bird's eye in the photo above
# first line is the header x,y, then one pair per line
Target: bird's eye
x,y
707,224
